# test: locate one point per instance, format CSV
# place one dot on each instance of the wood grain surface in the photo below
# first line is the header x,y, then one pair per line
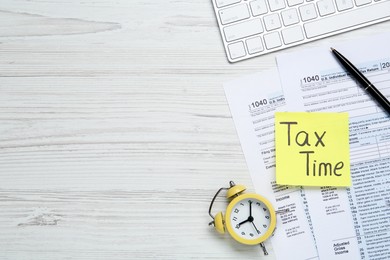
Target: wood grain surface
x,y
114,129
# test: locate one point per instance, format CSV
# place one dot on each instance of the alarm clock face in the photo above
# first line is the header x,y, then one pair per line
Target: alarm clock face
x,y
250,219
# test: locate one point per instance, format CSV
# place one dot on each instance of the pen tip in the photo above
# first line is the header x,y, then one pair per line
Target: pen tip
x,y
332,48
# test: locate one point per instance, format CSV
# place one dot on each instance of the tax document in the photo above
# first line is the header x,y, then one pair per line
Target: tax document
x,y
353,222
253,101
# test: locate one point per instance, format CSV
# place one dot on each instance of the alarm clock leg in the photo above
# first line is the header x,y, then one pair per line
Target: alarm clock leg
x,y
264,249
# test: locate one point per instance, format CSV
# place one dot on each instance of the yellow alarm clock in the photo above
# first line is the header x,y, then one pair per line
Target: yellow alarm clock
x,y
250,218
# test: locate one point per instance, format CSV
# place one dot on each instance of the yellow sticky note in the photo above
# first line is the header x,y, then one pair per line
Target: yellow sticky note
x,y
312,149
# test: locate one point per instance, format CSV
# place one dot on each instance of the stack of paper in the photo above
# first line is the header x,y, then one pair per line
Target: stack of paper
x,y
327,222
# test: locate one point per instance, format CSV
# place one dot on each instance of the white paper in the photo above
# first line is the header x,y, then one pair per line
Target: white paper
x,y
348,223
253,101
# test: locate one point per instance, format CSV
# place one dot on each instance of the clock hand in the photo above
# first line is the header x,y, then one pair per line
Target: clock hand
x,y
250,218
258,232
239,224
250,208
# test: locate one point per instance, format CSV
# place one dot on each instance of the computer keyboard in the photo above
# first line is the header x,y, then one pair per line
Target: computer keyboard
x,y
252,28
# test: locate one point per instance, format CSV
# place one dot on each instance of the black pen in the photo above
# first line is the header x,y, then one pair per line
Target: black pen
x,y
364,82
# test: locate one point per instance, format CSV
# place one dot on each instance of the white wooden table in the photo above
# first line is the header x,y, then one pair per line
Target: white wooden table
x,y
114,129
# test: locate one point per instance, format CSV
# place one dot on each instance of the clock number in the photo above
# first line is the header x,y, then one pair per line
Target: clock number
x,y
238,226
242,204
236,210
258,204
264,226
243,233
235,219
264,209
249,201
267,217
251,234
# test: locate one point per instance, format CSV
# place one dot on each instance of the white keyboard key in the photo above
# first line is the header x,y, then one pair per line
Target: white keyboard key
x,y
343,5
272,22
290,16
325,7
237,50
307,12
294,2
242,30
222,3
234,14
272,40
362,2
275,5
254,45
292,34
258,7
332,24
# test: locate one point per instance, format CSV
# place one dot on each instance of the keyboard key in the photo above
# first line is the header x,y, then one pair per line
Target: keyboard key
x,y
222,3
343,5
294,2
332,24
290,16
275,5
242,30
272,40
272,22
254,45
325,7
362,2
234,14
292,34
237,50
307,12
258,7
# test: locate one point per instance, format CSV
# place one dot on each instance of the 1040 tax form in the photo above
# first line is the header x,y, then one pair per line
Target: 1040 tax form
x,y
253,101
352,223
